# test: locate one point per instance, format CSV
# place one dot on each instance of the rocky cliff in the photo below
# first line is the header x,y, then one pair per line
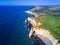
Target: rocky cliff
x,y
43,34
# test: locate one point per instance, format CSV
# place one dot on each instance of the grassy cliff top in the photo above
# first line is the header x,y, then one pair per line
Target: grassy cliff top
x,y
51,22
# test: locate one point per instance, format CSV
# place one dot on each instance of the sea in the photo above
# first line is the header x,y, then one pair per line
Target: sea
x,y
12,25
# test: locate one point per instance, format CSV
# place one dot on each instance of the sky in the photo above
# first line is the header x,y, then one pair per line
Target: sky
x,y
29,2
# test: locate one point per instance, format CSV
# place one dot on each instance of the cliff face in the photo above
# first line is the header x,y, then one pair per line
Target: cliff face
x,y
43,34
33,21
36,30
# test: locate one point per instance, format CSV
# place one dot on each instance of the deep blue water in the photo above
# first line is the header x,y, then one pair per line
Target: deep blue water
x,y
12,27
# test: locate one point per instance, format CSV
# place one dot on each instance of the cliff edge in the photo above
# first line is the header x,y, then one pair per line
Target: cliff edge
x,y
36,30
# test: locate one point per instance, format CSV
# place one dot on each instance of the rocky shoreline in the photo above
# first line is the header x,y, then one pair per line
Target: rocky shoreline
x,y
39,32
31,13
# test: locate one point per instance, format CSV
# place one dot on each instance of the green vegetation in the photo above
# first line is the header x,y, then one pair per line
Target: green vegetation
x,y
51,22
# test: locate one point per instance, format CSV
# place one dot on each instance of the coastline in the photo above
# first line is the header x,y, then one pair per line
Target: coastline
x,y
31,13
35,27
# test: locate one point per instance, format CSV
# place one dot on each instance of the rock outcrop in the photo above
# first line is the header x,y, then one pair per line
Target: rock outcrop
x,y
30,12
43,34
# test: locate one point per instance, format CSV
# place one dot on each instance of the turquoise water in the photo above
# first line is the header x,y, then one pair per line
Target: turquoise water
x,y
12,25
